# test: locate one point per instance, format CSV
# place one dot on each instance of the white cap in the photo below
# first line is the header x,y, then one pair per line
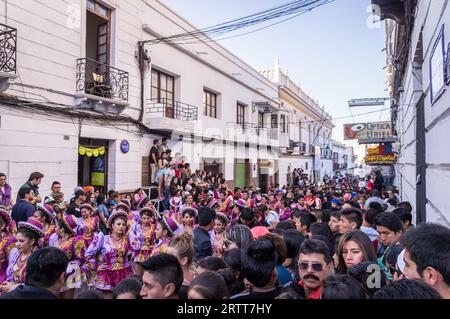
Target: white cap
x,y
401,261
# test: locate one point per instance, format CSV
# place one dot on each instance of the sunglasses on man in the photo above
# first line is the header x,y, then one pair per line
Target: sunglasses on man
x,y
317,267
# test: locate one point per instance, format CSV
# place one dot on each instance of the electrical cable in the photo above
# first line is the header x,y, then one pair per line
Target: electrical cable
x,y
288,9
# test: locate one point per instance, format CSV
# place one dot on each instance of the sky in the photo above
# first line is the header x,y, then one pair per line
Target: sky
x,y
334,51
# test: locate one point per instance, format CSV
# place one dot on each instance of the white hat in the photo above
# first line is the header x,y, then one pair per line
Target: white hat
x,y
401,261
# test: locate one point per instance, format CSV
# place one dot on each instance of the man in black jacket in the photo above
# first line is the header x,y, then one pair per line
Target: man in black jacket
x,y
44,275
202,241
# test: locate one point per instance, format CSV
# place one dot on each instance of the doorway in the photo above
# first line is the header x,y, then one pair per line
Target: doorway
x,y
93,163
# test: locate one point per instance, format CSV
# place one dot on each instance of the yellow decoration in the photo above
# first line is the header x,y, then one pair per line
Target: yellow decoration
x,y
91,151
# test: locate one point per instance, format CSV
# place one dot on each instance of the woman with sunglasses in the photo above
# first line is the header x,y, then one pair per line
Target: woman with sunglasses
x,y
353,248
66,239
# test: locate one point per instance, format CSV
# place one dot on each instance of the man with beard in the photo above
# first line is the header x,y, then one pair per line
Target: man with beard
x,y
314,266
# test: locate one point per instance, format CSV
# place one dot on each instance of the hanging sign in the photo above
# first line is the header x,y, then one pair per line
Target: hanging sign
x,y
365,131
89,152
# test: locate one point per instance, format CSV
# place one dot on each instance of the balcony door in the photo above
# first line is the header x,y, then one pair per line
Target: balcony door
x,y
98,32
98,48
163,91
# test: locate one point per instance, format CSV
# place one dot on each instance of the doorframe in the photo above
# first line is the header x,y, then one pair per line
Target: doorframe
x,y
90,143
421,165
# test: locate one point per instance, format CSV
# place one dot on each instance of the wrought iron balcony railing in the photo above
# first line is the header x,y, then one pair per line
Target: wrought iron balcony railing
x,y
102,80
173,109
250,128
8,49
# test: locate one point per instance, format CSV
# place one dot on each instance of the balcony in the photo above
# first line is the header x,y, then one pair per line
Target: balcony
x,y
390,9
8,56
170,115
101,87
250,132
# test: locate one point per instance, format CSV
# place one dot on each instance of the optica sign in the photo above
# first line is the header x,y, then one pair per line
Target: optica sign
x,y
364,131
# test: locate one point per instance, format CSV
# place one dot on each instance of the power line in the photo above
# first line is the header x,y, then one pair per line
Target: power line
x,y
292,8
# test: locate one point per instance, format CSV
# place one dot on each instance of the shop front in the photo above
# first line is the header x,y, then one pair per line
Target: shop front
x,y
93,163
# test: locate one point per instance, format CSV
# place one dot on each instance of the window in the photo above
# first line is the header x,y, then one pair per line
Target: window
x,y
98,33
274,121
240,114
306,165
437,68
283,124
210,103
260,119
163,87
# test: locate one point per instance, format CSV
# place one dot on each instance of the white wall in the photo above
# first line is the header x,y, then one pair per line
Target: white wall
x,y
293,162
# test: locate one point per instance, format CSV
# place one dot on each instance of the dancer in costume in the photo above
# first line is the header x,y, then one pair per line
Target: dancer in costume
x,y
7,242
28,234
73,245
114,249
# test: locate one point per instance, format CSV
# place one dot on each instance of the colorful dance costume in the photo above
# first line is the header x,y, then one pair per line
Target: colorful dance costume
x,y
87,230
15,272
160,247
7,244
145,239
114,265
44,242
77,271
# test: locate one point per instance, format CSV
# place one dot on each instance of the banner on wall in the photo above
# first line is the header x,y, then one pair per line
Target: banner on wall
x,y
98,171
89,152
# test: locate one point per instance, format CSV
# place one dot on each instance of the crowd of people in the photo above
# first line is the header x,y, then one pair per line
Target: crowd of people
x,y
334,240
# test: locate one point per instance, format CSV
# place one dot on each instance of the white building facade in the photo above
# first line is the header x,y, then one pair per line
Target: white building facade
x,y
418,74
91,97
305,130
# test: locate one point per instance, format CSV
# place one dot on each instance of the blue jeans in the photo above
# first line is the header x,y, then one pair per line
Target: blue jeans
x,y
166,198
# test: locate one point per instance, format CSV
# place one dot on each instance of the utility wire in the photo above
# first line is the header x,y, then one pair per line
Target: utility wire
x,y
288,9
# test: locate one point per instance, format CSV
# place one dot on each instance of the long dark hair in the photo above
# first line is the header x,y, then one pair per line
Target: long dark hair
x,y
363,242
